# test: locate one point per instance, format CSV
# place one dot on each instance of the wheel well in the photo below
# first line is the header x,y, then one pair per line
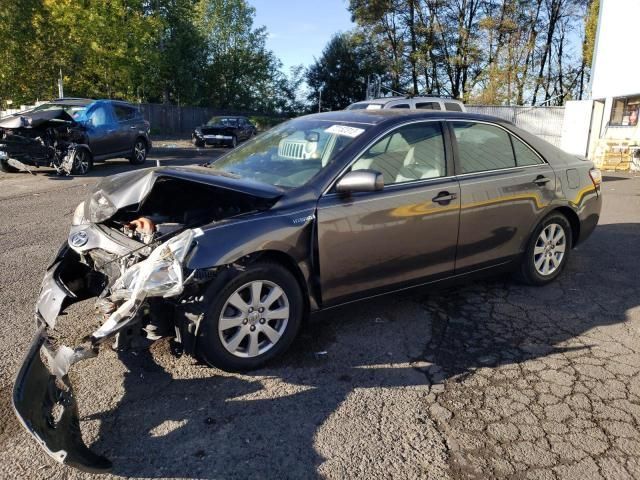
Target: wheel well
x,y
140,137
574,221
290,264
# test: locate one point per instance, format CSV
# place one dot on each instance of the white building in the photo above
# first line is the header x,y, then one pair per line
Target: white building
x,y
610,134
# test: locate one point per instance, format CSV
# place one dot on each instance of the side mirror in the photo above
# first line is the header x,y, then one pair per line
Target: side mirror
x,y
360,181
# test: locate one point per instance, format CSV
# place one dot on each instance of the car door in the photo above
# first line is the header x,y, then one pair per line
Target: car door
x,y
127,130
244,127
505,188
101,128
396,236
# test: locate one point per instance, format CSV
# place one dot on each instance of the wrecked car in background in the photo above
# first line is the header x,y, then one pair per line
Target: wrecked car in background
x,y
229,258
70,134
227,131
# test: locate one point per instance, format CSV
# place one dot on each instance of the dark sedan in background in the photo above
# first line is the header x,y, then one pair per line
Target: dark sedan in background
x,y
229,259
227,131
70,134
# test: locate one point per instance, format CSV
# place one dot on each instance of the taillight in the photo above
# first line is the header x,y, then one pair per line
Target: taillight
x,y
596,177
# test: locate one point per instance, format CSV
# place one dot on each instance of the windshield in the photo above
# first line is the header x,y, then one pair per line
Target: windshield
x,y
74,111
227,122
290,154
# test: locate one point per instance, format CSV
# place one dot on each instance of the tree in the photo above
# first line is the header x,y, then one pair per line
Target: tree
x,y
177,76
342,71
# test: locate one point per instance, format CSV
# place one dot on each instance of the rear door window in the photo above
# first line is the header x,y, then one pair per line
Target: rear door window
x,y
124,113
452,107
400,105
428,106
482,147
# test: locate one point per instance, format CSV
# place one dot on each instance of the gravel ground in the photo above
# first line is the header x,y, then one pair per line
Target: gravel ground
x,y
486,380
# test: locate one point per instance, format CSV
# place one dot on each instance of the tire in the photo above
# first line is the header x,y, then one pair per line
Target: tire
x,y
551,256
234,142
139,155
244,345
198,143
82,162
6,168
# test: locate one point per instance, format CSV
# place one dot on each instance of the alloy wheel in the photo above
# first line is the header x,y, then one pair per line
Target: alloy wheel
x,y
549,250
140,151
80,162
253,319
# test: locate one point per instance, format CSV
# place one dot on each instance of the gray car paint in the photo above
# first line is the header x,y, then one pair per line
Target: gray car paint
x,y
341,247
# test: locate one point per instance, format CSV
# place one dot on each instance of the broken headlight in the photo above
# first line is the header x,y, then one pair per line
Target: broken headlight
x,y
78,215
100,208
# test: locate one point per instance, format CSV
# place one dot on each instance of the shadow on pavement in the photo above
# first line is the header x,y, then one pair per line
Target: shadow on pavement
x,y
229,426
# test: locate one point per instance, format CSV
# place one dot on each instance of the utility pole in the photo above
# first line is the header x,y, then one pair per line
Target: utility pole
x,y
319,100
60,86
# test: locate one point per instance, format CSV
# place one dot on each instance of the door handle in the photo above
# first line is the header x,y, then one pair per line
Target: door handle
x,y
444,197
541,180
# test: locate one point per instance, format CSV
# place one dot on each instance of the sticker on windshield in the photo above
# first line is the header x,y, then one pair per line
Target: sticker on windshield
x,y
352,132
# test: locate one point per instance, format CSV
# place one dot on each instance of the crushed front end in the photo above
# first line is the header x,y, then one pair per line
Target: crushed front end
x,y
50,138
127,248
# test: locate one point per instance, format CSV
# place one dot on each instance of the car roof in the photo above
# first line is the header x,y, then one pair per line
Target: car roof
x,y
87,101
391,116
385,100
72,101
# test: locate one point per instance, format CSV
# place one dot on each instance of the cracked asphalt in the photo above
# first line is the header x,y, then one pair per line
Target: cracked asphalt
x,y
489,379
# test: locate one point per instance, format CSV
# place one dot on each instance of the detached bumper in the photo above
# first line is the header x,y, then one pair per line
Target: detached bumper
x,y
46,406
43,397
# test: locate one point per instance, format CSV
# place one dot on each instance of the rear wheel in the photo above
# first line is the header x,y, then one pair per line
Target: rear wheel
x,y
253,317
82,162
6,168
139,152
548,251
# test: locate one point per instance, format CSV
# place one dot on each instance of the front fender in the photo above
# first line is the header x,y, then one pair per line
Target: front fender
x,y
223,244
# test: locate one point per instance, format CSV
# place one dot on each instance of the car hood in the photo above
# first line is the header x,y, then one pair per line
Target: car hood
x,y
130,188
34,119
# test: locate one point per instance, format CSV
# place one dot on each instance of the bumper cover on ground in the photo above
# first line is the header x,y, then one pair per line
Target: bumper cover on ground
x,y
46,406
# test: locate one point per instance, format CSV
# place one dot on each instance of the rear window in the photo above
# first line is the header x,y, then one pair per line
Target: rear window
x,y
452,107
400,105
524,155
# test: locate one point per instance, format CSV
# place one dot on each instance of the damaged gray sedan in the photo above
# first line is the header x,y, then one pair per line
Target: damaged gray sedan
x,y
228,259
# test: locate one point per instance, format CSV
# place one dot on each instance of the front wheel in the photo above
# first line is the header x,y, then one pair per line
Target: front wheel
x,y
82,162
253,317
139,152
547,251
234,142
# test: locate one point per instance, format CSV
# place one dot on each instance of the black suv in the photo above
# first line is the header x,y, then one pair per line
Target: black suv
x,y
223,130
69,134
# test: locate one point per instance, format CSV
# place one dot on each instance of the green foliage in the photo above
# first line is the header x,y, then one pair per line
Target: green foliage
x,y
495,51
590,30
342,71
193,52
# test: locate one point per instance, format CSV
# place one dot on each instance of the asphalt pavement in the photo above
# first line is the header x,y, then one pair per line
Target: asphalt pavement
x,y
489,379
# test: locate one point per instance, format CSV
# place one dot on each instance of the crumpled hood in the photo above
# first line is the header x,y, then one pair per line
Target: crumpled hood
x,y
129,188
34,119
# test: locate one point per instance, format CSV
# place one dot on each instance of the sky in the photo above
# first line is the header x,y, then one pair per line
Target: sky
x,y
300,29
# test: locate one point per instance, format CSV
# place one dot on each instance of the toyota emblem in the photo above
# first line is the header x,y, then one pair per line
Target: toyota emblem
x,y
79,239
